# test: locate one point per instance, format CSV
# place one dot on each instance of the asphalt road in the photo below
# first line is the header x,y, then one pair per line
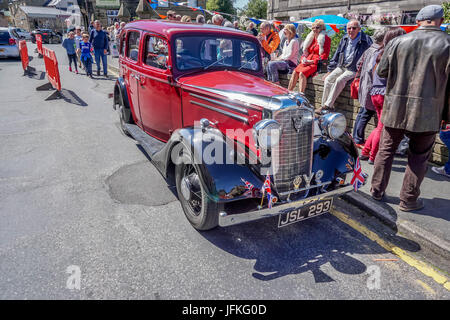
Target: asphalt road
x,y
76,194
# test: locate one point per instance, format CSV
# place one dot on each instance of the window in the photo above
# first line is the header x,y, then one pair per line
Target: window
x,y
156,52
209,52
192,3
133,45
122,44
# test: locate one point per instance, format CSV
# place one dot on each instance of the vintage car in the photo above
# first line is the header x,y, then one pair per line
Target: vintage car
x,y
238,148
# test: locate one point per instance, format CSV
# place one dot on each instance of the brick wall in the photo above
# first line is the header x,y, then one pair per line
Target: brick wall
x,y
350,107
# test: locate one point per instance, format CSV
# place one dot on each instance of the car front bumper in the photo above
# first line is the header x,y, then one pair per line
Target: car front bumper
x,y
226,220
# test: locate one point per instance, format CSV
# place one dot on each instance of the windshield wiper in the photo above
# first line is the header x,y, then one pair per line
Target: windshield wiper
x,y
251,60
217,61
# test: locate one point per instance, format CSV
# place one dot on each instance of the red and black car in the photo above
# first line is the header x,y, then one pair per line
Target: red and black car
x,y
238,148
48,36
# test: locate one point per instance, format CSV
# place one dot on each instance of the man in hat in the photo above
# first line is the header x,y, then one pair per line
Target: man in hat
x,y
417,68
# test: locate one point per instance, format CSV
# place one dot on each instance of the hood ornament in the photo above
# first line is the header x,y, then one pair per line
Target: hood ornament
x,y
297,123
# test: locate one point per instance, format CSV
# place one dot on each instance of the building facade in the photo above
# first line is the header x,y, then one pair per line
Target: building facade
x,y
367,11
31,17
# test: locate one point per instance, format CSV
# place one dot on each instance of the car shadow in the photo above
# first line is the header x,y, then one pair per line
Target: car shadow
x,y
308,246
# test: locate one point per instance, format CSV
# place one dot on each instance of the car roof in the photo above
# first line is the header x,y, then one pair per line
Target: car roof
x,y
170,28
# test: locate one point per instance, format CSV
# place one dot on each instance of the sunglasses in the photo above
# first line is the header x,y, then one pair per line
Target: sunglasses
x,y
315,28
352,28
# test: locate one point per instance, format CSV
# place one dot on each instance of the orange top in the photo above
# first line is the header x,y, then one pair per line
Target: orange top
x,y
272,42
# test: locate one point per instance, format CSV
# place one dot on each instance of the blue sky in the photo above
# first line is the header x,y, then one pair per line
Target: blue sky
x,y
240,3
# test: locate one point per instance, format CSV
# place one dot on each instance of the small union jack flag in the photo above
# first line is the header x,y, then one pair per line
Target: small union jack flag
x,y
358,176
267,189
248,185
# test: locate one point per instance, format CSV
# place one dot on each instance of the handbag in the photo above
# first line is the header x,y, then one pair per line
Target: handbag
x,y
354,88
322,66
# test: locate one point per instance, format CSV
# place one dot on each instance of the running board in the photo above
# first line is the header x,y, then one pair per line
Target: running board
x,y
151,145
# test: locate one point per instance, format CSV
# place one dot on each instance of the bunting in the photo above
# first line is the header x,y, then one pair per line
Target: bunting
x,y
276,23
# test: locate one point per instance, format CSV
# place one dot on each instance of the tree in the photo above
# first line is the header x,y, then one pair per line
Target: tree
x,y
256,9
225,6
446,6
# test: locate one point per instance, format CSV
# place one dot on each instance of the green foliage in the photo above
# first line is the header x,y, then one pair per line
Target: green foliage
x,y
256,9
335,39
225,6
446,6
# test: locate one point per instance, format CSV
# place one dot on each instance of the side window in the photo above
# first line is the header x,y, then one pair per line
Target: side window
x,y
133,45
122,44
156,52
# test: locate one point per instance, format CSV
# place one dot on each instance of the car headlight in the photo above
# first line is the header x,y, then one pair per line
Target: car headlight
x,y
334,124
267,133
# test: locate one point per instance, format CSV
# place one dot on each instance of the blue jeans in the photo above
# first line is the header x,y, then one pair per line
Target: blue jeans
x,y
100,53
445,137
87,61
273,67
362,119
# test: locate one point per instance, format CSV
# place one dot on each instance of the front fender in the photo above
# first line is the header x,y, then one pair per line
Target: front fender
x,y
334,157
223,170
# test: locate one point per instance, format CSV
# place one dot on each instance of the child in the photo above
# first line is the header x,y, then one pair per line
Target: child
x,y
70,46
85,48
78,39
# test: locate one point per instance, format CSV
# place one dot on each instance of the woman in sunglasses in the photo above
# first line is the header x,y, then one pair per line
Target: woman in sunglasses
x,y
315,47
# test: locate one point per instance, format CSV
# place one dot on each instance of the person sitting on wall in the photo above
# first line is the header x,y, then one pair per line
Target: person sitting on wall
x,y
342,67
316,47
289,57
269,39
171,15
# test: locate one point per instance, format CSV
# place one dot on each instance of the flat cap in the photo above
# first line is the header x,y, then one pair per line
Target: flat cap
x,y
430,12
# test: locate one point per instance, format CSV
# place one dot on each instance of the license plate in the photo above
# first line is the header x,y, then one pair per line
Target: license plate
x,y
296,215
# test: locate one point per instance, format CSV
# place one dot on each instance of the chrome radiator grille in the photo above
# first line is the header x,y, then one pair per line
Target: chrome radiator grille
x,y
295,147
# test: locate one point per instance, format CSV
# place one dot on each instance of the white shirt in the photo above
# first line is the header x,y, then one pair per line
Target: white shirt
x,y
290,51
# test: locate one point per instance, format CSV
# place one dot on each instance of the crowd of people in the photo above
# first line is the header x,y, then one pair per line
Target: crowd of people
x,y
403,82
81,44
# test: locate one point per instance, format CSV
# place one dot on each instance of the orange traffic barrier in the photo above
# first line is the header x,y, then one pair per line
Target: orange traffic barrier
x,y
24,54
51,67
39,44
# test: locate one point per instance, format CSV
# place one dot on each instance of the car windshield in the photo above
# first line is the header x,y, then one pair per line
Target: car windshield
x,y
208,52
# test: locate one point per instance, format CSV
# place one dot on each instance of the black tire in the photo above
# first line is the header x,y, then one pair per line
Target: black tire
x,y
203,216
124,115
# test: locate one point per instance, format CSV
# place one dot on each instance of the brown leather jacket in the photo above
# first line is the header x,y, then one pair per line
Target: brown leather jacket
x,y
417,68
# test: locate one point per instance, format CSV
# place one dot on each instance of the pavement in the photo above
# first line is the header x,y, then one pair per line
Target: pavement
x,y
429,226
77,194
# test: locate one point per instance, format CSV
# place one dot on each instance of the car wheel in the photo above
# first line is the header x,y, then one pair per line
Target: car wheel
x,y
202,212
124,116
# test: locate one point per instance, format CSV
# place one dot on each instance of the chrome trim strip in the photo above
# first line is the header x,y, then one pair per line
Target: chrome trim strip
x,y
226,220
304,189
226,105
232,115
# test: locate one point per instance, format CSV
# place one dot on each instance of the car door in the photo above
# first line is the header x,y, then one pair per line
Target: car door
x,y
130,71
156,91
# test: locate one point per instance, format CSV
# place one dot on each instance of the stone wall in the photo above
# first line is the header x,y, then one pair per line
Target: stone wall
x,y
350,107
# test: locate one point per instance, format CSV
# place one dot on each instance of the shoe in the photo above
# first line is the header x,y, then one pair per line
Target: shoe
x,y
70,69
76,71
98,72
360,145
411,206
370,162
441,171
106,75
363,157
376,196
